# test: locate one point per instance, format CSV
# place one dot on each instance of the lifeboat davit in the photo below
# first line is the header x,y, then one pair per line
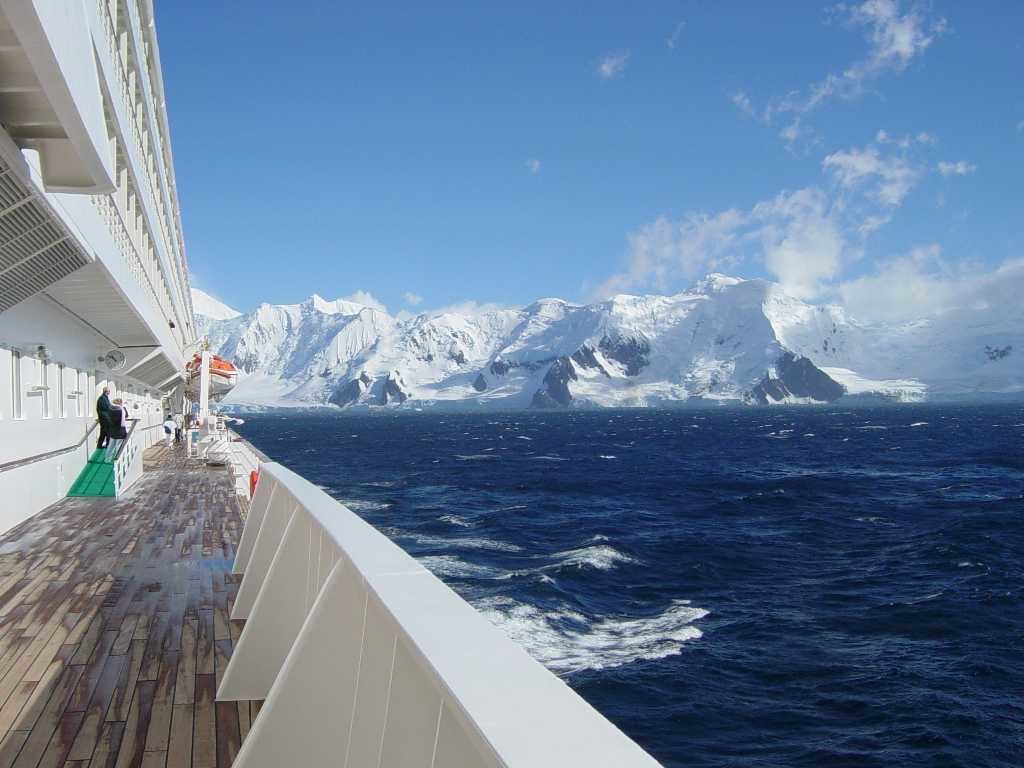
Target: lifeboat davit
x,y
223,376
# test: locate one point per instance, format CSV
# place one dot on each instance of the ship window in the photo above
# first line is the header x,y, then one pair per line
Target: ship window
x,y
44,382
16,394
62,409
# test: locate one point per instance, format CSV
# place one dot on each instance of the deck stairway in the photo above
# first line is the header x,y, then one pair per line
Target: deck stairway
x,y
104,475
96,477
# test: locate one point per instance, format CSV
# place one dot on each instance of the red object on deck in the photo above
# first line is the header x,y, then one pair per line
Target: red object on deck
x,y
254,477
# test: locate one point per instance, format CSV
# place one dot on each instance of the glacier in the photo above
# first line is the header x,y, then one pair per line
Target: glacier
x,y
724,340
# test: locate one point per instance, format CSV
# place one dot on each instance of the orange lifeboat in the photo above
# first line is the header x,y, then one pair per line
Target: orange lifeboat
x,y
223,376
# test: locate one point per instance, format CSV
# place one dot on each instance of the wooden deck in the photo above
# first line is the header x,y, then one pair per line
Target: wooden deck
x,y
114,628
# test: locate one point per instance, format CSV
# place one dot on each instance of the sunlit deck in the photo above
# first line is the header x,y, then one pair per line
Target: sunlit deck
x,y
114,628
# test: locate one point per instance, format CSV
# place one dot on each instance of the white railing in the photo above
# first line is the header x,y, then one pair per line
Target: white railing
x,y
241,458
366,658
127,461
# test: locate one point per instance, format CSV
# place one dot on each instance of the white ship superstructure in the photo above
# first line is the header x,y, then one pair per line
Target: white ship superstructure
x,y
92,257
128,633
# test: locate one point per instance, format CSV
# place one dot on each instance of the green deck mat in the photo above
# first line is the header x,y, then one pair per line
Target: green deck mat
x,y
96,478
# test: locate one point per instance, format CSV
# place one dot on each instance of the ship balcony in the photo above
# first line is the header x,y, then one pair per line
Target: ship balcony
x,y
50,95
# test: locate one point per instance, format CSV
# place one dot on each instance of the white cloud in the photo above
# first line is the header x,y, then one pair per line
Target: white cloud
x,y
412,299
895,37
806,239
906,141
801,240
533,166
796,236
471,308
742,102
367,299
612,65
887,180
923,283
673,39
666,250
959,168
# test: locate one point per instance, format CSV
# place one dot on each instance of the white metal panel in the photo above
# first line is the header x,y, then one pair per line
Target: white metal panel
x,y
458,746
414,711
306,719
275,521
262,498
374,685
276,628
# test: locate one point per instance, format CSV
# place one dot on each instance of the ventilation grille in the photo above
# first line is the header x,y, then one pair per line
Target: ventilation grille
x,y
35,249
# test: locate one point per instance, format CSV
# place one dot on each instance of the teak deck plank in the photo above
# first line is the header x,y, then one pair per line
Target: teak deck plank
x,y
114,627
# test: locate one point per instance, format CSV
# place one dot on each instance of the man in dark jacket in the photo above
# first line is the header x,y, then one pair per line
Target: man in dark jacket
x,y
103,414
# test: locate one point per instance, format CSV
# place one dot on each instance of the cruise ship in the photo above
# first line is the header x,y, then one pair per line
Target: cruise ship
x,y
194,603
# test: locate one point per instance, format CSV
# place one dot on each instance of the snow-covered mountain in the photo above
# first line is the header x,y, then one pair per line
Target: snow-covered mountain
x,y
208,308
725,339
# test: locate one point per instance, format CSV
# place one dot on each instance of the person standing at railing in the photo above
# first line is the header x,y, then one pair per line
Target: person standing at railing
x,y
103,416
118,431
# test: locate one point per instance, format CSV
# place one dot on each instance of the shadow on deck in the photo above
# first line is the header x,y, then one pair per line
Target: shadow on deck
x,y
114,628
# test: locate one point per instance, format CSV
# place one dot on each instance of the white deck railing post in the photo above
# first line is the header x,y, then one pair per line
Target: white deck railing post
x,y
288,594
261,499
268,538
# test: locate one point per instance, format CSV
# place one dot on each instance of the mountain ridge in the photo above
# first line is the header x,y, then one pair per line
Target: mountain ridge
x,y
726,339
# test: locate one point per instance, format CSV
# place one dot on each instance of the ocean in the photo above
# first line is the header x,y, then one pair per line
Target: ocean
x,y
799,586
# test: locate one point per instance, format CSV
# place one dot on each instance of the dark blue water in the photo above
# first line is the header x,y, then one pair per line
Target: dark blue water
x,y
776,587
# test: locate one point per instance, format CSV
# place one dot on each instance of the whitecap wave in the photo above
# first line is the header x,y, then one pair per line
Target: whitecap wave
x,y
607,456
475,456
456,542
365,505
452,567
456,520
602,557
919,424
548,458
566,641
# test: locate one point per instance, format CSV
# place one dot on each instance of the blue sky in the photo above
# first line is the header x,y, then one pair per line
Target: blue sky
x,y
433,153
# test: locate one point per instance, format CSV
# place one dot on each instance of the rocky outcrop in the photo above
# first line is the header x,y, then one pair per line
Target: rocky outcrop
x,y
997,353
586,357
480,383
351,391
555,392
394,389
630,352
796,377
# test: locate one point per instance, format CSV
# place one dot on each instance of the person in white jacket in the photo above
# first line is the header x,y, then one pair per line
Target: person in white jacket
x,y
169,430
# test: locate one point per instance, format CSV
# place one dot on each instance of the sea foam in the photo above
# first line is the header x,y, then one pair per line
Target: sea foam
x,y
566,641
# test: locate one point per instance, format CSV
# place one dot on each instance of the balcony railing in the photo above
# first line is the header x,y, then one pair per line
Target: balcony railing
x,y
123,90
366,658
127,460
155,286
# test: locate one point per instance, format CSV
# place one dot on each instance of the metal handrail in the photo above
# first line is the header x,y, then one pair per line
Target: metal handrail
x,y
49,454
127,437
237,438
